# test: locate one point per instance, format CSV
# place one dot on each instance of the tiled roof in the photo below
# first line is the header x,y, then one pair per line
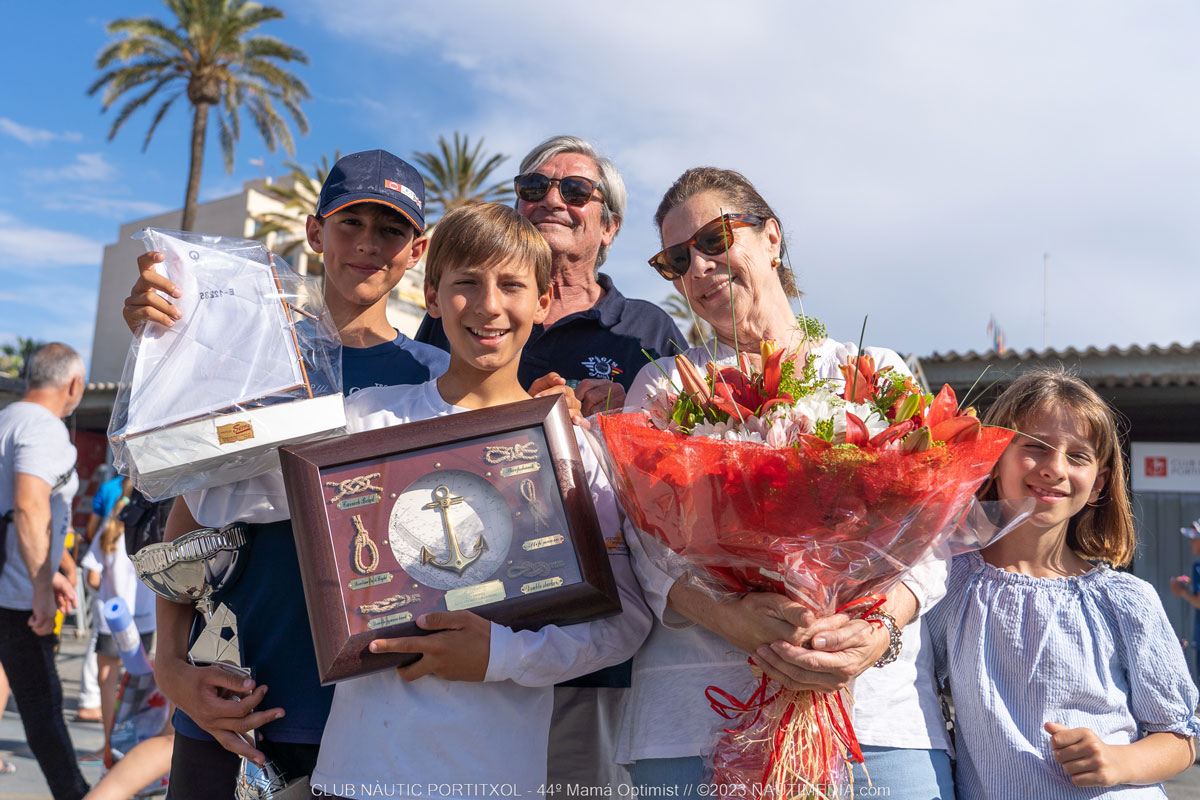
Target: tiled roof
x,y
1069,354
1175,365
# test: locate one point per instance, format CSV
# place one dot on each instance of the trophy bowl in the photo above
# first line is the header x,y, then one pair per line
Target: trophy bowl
x,y
195,566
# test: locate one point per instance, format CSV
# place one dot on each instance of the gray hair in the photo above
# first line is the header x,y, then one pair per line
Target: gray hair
x,y
52,366
611,183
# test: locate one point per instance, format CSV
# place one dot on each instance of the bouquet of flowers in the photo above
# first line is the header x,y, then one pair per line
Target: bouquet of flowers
x,y
825,491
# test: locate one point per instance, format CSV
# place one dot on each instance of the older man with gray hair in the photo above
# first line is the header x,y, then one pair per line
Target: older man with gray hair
x,y
594,339
37,483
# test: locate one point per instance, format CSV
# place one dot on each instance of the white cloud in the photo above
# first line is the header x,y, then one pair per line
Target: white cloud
x,y
87,167
36,136
27,248
107,207
922,155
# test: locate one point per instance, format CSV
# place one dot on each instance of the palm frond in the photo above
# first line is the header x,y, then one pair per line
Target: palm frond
x,y
213,47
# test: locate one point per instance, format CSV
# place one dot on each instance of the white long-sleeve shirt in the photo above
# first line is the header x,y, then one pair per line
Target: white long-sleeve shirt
x,y
668,715
439,738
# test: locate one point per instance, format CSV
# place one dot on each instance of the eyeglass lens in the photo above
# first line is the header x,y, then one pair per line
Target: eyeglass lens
x,y
574,190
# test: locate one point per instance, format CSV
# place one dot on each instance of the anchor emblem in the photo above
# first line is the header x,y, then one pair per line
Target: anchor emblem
x,y
455,562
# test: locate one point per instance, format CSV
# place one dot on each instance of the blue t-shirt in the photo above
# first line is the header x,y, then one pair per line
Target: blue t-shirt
x,y
275,636
107,496
605,341
400,361
1196,619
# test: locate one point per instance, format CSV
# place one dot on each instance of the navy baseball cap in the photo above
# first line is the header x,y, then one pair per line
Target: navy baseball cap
x,y
374,176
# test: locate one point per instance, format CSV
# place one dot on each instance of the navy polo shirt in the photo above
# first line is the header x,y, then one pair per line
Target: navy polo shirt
x,y
604,341
268,598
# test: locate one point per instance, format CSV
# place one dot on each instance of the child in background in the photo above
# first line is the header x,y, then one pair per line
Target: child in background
x,y
474,711
1067,679
112,575
1179,588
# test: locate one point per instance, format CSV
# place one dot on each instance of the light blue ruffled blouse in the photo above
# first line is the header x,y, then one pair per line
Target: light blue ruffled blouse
x,y
1094,651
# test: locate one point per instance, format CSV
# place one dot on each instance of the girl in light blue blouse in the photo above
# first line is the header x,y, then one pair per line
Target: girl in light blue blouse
x,y
1067,679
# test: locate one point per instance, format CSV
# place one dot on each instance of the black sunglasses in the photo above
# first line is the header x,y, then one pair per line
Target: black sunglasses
x,y
712,239
574,189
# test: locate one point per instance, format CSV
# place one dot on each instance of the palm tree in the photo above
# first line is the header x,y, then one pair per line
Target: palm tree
x,y
454,176
207,57
678,307
298,193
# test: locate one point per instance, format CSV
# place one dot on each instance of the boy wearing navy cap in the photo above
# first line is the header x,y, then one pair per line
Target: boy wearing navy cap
x,y
369,226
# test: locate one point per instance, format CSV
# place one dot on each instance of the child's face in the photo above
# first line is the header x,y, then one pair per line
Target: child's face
x,y
1056,464
366,247
1195,548
487,312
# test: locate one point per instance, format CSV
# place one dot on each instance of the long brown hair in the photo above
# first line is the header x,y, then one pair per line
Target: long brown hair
x,y
1104,529
113,527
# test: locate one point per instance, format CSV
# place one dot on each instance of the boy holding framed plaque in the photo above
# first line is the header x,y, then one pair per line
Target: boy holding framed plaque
x,y
368,225
472,715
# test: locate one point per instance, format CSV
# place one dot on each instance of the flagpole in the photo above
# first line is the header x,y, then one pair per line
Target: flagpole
x,y
1045,294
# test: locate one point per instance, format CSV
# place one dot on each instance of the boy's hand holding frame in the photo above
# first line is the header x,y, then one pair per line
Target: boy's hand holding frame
x,y
458,651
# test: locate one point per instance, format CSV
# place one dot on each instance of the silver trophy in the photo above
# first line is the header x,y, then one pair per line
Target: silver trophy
x,y
191,569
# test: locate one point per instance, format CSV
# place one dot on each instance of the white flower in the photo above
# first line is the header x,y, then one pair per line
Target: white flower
x,y
731,431
660,402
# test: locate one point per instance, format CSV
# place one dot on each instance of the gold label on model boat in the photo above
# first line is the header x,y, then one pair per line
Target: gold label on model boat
x,y
234,432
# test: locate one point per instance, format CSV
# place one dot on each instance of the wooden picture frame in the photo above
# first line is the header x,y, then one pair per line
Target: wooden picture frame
x,y
488,510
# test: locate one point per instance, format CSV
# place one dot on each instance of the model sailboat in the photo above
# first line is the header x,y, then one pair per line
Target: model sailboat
x,y
254,363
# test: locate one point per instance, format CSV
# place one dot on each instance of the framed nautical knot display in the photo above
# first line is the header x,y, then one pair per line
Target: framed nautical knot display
x,y
485,510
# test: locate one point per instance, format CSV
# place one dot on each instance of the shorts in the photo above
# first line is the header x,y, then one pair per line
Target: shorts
x,y
106,645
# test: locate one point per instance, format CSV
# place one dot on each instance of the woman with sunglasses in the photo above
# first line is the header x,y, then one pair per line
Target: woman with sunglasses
x,y
724,248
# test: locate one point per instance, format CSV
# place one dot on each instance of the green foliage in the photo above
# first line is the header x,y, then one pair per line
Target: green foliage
x,y
894,388
13,357
298,193
814,329
804,384
455,175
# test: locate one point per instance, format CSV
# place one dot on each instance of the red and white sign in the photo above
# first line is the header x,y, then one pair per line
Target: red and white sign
x,y
1164,466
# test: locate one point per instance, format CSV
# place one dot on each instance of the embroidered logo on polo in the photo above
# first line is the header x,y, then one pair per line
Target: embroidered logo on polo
x,y
602,367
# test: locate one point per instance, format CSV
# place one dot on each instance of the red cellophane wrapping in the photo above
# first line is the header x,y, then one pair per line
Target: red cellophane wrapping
x,y
833,529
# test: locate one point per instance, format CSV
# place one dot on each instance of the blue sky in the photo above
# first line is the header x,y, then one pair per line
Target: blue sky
x,y
922,155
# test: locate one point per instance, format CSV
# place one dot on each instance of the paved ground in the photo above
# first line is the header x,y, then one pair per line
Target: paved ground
x,y
27,782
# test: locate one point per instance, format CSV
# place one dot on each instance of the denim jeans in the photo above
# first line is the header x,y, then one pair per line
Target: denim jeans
x,y
28,660
659,773
905,774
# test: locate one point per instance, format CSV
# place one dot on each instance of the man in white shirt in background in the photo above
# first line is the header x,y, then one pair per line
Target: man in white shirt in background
x,y
37,483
